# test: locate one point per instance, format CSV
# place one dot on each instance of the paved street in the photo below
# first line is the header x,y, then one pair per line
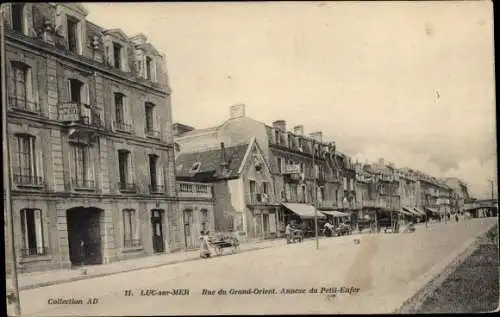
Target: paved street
x,y
386,268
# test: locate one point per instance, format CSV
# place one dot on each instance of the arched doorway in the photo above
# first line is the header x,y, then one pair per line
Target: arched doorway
x,y
84,235
188,227
158,230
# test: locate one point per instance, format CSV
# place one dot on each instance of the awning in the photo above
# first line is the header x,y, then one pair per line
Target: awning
x,y
406,211
432,210
419,211
304,211
335,213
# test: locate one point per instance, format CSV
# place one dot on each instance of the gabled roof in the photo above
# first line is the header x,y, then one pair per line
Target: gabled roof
x,y
118,33
210,162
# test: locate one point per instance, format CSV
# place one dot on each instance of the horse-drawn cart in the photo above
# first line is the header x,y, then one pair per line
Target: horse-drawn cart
x,y
219,243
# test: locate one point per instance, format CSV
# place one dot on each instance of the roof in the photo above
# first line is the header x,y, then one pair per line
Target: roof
x,y
335,213
210,162
304,211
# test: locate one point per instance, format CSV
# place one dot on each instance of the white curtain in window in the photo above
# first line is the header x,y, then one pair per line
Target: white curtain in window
x,y
38,231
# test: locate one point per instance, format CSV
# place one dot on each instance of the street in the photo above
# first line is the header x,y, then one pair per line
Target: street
x,y
375,276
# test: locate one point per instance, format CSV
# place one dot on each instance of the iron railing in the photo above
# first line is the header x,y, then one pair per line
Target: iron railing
x,y
157,189
152,133
25,105
36,251
28,180
123,126
127,187
83,183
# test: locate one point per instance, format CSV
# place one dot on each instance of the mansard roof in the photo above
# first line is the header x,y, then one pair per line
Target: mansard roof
x,y
118,33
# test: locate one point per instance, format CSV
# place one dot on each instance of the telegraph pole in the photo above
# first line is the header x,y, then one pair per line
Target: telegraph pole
x,y
315,198
13,297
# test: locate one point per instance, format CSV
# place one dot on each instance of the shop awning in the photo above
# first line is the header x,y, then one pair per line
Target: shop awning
x,y
406,211
419,211
303,211
432,210
335,213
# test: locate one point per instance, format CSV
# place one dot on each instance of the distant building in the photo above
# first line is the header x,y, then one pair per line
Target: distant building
x,y
460,192
244,198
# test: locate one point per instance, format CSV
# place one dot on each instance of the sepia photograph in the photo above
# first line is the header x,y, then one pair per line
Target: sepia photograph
x,y
249,158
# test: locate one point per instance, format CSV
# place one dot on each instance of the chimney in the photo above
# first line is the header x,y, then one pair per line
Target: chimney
x,y
318,136
223,160
237,111
299,129
280,124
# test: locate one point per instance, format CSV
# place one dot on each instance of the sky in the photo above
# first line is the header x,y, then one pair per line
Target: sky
x,y
412,82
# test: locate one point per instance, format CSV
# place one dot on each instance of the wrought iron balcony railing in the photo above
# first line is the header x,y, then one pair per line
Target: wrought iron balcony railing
x,y
127,187
25,105
132,243
123,126
156,189
83,184
152,133
37,251
80,113
28,180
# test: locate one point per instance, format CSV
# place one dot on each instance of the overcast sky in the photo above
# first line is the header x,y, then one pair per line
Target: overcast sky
x,y
410,82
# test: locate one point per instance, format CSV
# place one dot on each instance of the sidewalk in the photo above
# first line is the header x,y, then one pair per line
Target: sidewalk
x,y
46,278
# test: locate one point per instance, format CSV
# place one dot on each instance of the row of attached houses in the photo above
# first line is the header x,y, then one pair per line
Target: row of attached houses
x,y
301,172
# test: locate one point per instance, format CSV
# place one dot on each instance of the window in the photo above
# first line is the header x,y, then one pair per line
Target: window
x,y
31,226
75,90
122,117
124,167
156,174
18,17
278,162
252,186
204,219
119,113
265,187
82,166
72,29
130,229
21,96
117,54
149,69
322,193
345,183
26,161
151,123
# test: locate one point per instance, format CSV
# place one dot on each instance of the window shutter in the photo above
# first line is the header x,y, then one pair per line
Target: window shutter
x,y
137,224
86,94
153,70
159,172
14,154
38,151
24,219
127,111
156,119
108,51
90,166
131,167
68,84
29,85
38,230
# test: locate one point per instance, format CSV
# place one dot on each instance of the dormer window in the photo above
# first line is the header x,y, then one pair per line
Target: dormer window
x,y
72,29
18,23
117,54
196,167
148,68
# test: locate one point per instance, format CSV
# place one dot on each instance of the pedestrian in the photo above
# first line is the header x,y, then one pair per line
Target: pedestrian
x,y
456,217
288,230
204,246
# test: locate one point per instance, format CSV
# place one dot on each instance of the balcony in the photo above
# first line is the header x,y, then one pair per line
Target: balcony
x,y
83,184
156,189
28,181
127,187
124,127
30,252
194,190
25,105
79,114
152,133
260,199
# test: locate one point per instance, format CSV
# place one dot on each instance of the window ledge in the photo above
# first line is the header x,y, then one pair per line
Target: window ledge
x,y
31,186
35,258
82,189
133,249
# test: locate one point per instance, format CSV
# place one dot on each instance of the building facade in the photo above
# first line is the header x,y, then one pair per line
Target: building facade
x,y
91,146
244,199
460,193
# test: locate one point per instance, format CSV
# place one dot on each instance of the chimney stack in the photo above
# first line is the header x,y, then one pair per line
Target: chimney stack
x,y
280,124
237,111
299,130
223,160
318,136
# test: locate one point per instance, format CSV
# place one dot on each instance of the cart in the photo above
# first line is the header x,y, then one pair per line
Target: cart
x,y
220,243
296,235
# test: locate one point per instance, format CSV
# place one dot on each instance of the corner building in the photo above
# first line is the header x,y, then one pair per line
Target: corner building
x,y
91,147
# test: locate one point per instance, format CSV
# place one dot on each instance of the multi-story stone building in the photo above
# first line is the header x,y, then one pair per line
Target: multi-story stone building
x,y
460,193
91,147
297,176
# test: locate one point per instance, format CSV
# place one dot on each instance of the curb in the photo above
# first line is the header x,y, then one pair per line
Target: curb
x,y
412,304
87,277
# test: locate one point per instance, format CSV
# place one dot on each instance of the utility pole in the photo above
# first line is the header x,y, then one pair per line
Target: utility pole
x,y
13,297
315,194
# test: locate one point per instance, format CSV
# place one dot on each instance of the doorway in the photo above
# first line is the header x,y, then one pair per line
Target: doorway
x,y
188,227
84,235
158,230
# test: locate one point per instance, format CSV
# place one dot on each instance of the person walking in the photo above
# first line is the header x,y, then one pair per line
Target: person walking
x,y
288,231
204,246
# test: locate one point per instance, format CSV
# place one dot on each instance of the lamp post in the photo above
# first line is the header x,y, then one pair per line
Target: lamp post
x,y
315,194
13,297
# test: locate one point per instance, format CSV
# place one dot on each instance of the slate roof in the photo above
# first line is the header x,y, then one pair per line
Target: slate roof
x,y
210,163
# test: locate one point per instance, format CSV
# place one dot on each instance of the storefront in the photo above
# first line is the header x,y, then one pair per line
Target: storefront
x,y
303,216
